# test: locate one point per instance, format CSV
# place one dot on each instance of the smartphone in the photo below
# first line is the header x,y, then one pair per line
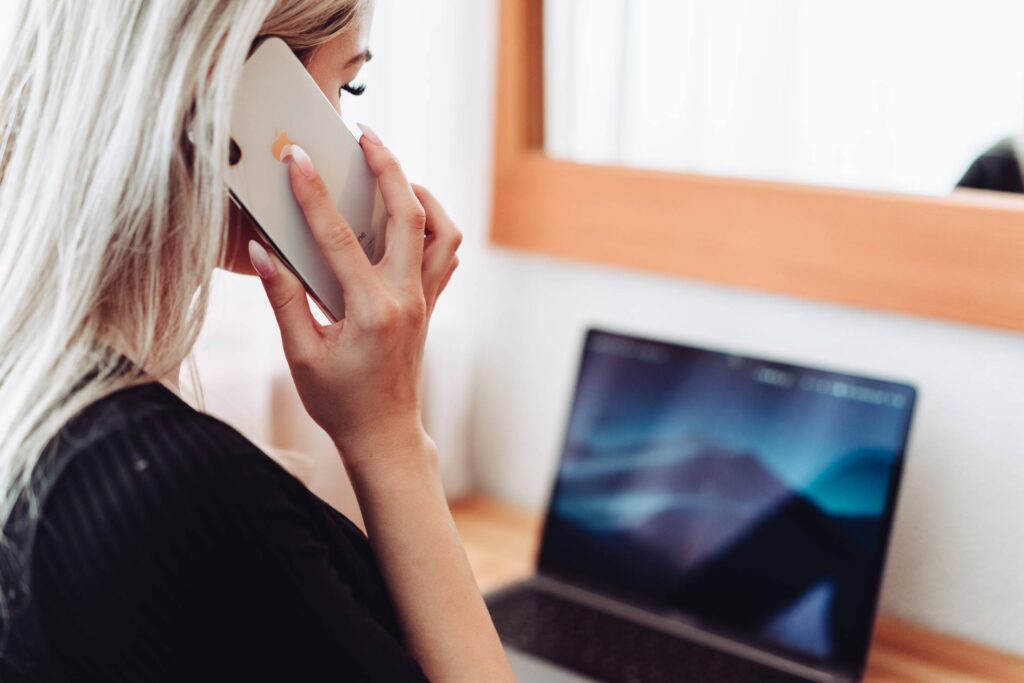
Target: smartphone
x,y
278,103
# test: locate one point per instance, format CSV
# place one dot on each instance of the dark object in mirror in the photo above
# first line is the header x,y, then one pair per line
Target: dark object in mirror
x,y
998,170
235,154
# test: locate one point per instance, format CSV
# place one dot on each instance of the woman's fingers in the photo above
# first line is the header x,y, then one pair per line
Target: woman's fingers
x,y
332,232
448,277
443,242
407,218
288,299
411,261
444,284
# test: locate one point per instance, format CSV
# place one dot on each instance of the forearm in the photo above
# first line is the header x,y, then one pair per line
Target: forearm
x,y
439,605
359,379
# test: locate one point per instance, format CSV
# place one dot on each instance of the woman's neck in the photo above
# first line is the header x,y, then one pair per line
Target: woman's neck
x,y
172,380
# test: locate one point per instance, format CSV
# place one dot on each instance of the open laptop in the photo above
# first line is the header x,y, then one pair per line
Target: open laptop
x,y
715,518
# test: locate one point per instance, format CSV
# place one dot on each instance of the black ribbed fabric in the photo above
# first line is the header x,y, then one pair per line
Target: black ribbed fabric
x,y
167,547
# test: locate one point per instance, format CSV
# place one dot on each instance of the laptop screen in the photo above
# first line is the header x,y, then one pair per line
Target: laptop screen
x,y
749,496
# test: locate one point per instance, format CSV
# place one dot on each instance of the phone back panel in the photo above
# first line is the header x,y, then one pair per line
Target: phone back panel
x,y
277,103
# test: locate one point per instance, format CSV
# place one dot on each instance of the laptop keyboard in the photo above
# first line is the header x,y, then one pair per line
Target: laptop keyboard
x,y
610,648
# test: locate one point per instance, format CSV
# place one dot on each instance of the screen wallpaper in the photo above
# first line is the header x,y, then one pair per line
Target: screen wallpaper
x,y
747,494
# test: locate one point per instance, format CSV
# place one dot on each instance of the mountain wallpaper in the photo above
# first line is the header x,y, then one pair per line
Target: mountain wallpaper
x,y
758,506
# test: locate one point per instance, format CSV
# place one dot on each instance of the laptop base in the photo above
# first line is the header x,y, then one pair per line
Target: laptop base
x,y
556,633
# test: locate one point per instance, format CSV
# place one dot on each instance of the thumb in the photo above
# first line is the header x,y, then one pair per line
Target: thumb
x,y
288,299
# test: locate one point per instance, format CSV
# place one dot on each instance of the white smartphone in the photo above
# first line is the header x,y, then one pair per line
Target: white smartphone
x,y
278,103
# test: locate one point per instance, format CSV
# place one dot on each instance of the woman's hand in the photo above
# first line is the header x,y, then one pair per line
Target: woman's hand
x,y
359,378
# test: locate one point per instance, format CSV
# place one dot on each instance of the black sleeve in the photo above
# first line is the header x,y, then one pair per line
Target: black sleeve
x,y
175,550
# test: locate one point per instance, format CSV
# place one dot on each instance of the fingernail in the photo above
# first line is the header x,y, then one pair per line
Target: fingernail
x,y
261,260
369,134
295,153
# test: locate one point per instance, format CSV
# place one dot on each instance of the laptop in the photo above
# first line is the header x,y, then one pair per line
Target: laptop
x,y
714,518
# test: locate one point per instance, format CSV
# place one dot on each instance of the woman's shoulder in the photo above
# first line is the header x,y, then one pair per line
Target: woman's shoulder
x,y
165,534
145,438
146,418
141,463
141,466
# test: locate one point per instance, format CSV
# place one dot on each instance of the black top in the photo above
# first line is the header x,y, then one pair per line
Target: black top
x,y
998,170
167,547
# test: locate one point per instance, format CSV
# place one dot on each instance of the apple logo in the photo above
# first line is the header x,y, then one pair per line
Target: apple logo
x,y
280,142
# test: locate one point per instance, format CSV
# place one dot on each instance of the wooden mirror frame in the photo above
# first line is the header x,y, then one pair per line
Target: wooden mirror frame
x,y
959,258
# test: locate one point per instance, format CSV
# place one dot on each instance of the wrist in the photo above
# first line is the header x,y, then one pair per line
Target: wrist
x,y
386,444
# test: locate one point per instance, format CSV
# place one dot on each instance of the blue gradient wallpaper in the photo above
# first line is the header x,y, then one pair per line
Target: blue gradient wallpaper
x,y
751,495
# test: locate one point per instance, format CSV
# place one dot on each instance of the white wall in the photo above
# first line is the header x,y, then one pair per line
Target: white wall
x,y
957,550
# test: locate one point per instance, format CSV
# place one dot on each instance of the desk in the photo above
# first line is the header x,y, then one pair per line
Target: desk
x,y
502,543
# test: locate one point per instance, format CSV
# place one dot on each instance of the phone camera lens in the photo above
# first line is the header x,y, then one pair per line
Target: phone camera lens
x,y
235,155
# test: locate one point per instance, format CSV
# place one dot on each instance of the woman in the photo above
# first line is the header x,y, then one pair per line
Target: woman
x,y
144,540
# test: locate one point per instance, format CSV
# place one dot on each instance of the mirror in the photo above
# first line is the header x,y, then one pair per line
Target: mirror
x,y
892,95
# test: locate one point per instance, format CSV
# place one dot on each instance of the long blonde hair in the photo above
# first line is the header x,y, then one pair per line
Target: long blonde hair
x,y
113,210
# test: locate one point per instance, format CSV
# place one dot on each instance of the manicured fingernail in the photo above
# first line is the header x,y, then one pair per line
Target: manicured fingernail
x,y
295,153
369,134
261,260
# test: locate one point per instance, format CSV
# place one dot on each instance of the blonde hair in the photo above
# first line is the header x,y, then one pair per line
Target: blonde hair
x,y
113,210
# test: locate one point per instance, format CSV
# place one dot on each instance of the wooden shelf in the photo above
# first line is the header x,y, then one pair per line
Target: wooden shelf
x,y
501,542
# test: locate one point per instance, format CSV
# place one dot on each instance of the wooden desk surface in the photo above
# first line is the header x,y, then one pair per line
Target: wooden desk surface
x,y
502,543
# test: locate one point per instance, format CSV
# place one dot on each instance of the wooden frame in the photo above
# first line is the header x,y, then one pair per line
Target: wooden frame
x,y
960,258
